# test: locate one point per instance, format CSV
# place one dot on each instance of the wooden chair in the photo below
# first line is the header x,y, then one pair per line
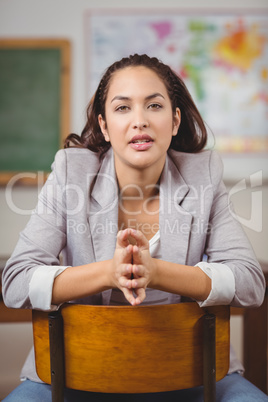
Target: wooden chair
x,y
132,349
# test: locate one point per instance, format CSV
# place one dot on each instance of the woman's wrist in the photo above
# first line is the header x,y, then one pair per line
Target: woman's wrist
x,y
108,274
154,269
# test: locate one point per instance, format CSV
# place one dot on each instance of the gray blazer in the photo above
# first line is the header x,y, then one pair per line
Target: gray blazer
x,y
77,217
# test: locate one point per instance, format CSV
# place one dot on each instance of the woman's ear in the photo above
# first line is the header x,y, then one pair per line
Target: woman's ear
x,y
103,128
176,121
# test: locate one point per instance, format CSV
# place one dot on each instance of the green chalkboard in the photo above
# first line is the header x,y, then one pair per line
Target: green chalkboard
x,y
32,102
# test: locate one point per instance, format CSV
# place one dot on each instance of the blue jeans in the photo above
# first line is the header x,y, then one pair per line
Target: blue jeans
x,y
232,388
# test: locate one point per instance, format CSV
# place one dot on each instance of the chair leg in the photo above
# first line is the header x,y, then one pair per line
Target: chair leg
x,y
56,355
209,358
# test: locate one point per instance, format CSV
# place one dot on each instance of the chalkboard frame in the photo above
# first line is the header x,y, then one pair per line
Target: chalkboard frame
x,y
63,45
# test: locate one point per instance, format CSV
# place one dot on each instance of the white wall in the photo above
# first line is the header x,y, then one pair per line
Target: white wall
x,y
64,19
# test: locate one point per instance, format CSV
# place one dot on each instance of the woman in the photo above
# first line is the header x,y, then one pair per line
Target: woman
x,y
133,205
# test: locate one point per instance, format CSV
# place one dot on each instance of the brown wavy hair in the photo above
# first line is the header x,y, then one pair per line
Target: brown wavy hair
x,y
192,133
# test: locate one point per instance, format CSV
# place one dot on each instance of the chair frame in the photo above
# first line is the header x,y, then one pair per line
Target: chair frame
x,y
55,322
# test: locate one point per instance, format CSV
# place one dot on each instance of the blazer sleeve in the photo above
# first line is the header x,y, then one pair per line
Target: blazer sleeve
x,y
228,244
39,246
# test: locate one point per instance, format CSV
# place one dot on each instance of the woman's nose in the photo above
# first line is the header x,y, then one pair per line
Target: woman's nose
x,y
140,125
140,121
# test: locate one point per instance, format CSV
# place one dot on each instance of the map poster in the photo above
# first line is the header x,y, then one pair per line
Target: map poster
x,y
222,58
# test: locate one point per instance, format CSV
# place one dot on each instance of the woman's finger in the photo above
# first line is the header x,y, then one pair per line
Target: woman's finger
x,y
141,295
138,271
137,256
125,282
122,238
138,283
139,237
129,296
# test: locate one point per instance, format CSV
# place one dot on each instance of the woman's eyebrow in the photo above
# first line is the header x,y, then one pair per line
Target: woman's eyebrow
x,y
154,95
119,97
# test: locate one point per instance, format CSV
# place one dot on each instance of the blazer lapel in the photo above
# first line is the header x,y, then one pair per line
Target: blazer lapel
x,y
175,222
103,214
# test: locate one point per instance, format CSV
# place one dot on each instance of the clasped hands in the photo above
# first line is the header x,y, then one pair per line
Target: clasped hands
x,y
133,268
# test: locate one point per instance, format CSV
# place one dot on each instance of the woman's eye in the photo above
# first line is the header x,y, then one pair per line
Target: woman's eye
x,y
122,108
155,106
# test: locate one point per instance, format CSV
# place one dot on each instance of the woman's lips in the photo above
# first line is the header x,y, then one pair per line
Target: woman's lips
x,y
141,142
141,146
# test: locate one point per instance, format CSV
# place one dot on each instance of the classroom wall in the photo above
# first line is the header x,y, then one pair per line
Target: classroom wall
x,y
64,19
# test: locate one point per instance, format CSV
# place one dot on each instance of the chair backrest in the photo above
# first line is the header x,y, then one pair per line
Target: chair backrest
x,y
132,349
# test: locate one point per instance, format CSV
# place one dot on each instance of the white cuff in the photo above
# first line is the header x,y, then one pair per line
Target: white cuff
x,y
40,287
222,284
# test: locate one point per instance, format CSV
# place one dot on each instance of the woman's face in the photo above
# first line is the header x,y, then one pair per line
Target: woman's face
x,y
139,119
